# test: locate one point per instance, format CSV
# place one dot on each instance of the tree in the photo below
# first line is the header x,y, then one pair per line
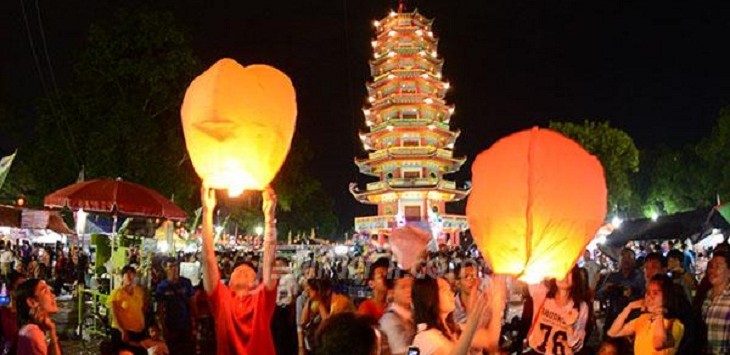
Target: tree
x,y
673,180
714,152
119,117
676,180
618,155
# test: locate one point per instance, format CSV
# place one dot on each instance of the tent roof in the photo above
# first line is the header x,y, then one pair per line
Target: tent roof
x,y
14,217
9,217
694,224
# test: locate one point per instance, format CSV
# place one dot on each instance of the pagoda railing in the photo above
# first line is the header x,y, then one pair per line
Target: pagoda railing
x,y
411,182
378,185
429,151
374,223
453,221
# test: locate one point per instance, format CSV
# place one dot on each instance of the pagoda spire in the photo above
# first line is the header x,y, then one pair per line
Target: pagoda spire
x,y
401,6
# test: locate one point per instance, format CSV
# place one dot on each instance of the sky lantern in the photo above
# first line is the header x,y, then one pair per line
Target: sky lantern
x,y
238,124
408,244
537,199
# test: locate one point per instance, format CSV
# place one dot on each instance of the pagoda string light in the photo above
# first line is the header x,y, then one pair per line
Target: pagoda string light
x,y
407,110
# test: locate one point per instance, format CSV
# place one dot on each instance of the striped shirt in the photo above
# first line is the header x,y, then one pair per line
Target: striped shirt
x,y
716,314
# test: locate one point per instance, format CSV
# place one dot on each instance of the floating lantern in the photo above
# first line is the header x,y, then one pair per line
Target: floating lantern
x,y
238,124
537,199
408,244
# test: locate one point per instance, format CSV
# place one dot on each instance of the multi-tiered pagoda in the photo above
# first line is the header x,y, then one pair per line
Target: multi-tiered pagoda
x,y
409,142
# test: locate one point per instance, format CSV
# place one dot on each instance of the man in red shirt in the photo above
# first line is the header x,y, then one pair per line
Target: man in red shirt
x,y
377,277
243,309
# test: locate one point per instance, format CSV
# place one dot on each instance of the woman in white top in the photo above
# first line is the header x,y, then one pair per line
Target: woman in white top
x,y
436,333
559,325
36,303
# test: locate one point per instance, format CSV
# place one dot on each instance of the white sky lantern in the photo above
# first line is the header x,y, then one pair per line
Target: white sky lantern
x,y
238,124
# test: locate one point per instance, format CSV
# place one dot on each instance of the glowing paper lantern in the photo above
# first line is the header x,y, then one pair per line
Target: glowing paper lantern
x,y
537,199
238,124
408,243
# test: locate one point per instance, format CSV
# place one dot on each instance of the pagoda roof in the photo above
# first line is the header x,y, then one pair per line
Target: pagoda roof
x,y
410,153
442,189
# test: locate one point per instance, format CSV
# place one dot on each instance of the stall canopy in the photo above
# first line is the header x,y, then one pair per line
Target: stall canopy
x,y
694,225
24,218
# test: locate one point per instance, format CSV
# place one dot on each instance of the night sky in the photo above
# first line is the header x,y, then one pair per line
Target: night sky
x,y
660,70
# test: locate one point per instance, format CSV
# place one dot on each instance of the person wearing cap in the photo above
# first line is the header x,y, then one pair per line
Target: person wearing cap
x,y
176,309
128,303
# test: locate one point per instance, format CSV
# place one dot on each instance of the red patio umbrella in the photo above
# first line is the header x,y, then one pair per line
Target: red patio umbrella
x,y
114,197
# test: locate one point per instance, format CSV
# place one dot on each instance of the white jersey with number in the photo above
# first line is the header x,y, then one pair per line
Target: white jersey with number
x,y
558,330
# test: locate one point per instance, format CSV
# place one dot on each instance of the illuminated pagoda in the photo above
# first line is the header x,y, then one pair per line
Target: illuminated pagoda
x,y
409,142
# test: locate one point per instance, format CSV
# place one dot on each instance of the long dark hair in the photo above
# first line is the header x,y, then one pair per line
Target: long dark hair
x,y
578,291
671,295
425,295
25,291
323,288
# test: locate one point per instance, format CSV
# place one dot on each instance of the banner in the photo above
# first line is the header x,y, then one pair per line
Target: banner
x,y
5,163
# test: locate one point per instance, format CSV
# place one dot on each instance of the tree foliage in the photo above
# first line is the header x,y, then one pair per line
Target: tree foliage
x,y
119,117
689,177
616,151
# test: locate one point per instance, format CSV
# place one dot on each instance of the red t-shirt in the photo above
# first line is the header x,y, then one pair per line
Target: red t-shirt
x,y
243,326
369,308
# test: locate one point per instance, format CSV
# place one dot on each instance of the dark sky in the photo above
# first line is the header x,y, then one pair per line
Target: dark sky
x,y
660,70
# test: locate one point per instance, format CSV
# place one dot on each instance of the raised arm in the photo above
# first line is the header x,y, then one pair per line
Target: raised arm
x,y
211,276
620,328
269,209
462,345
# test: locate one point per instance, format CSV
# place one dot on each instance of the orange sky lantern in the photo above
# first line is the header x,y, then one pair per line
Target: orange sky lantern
x,y
537,199
238,124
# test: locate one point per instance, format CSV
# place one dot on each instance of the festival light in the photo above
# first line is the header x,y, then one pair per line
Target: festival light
x,y
238,124
616,222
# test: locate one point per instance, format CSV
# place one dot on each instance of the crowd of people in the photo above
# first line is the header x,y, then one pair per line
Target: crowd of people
x,y
655,299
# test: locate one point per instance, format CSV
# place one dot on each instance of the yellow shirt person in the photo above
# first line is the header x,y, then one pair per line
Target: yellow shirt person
x,y
127,304
644,328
